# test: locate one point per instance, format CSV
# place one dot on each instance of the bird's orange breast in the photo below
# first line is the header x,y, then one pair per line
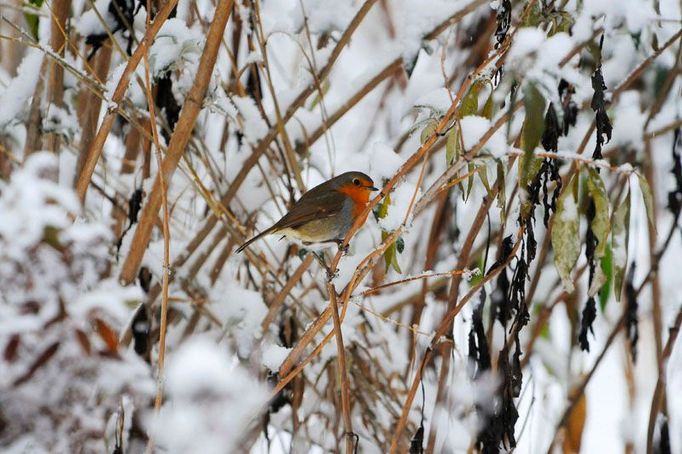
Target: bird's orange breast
x,y
360,197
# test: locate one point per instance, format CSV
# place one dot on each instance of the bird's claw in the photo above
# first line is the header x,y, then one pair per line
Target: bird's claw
x,y
342,248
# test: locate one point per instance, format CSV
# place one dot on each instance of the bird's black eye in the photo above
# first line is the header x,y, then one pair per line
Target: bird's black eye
x,y
356,182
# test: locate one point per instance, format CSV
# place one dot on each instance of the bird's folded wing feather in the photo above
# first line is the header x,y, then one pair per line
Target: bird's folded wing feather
x,y
311,206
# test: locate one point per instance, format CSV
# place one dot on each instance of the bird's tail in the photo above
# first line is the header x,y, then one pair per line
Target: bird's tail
x,y
257,237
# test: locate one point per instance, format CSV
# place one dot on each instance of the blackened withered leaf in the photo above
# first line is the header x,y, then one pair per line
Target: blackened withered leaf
x,y
417,442
598,104
631,319
568,105
134,205
166,102
140,331
550,136
479,354
588,317
499,300
503,20
675,196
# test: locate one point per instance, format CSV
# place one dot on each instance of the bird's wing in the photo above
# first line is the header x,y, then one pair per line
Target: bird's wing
x,y
312,205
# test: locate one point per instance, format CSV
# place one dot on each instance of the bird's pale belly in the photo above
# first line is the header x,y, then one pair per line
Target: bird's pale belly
x,y
316,231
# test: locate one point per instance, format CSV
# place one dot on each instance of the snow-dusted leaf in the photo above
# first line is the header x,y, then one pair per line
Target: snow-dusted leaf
x,y
471,169
428,130
489,108
483,175
501,190
648,199
565,239
620,233
533,124
601,223
453,145
469,104
391,254
600,226
607,269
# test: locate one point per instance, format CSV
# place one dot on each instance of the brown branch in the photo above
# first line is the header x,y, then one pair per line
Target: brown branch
x,y
178,141
163,327
95,150
659,390
343,371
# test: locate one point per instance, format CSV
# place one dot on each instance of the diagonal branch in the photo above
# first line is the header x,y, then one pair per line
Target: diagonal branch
x,y
178,141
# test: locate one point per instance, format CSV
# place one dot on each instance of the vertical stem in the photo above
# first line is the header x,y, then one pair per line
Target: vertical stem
x,y
343,372
179,140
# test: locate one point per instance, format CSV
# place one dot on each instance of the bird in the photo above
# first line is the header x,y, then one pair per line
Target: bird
x,y
325,213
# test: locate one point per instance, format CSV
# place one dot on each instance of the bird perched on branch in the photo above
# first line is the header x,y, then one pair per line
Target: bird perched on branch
x,y
326,212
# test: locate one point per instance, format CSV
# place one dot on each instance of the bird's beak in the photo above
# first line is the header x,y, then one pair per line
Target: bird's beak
x,y
372,188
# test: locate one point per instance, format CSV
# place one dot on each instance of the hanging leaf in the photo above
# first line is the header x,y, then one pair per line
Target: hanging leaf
x,y
598,104
483,175
588,316
428,130
600,225
533,127
565,239
648,199
489,108
382,211
471,168
501,191
550,135
391,254
453,145
619,239
575,425
607,268
469,104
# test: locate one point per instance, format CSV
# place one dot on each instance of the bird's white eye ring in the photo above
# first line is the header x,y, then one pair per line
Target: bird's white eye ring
x,y
356,182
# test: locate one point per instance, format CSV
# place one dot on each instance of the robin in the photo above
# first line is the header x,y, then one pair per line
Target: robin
x,y
326,212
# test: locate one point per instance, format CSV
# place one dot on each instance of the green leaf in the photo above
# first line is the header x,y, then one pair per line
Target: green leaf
x,y
32,20
391,254
565,239
501,191
534,123
607,268
620,233
483,175
470,180
469,104
453,145
600,225
316,100
533,127
648,199
383,208
428,130
489,108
